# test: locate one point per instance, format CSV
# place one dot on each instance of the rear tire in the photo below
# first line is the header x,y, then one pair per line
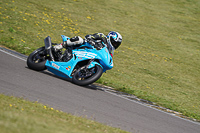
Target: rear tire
x,y
77,79
36,60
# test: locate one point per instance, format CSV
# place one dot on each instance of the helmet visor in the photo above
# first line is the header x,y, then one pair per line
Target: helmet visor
x,y
110,47
115,43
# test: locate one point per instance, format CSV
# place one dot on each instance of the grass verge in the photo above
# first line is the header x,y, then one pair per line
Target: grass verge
x,y
22,116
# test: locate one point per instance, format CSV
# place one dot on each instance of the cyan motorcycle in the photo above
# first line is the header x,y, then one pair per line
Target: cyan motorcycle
x,y
84,64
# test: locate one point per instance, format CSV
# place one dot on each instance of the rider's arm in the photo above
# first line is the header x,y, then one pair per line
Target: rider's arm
x,y
96,36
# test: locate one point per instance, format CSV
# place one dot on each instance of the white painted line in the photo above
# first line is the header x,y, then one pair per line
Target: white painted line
x,y
13,55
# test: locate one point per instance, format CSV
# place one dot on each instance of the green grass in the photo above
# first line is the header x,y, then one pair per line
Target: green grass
x,y
159,57
21,116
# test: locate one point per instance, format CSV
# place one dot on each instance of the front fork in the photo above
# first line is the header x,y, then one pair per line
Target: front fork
x,y
89,63
85,71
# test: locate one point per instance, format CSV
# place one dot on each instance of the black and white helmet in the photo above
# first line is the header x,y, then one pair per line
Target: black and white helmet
x,y
114,38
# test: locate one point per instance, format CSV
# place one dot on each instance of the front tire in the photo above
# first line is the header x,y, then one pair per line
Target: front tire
x,y
85,76
37,59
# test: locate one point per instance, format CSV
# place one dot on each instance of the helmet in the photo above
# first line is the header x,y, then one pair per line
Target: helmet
x,y
114,38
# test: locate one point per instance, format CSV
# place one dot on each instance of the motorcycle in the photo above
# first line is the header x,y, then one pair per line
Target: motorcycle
x,y
84,64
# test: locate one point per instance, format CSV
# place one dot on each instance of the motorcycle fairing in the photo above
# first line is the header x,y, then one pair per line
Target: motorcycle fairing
x,y
62,69
64,38
100,57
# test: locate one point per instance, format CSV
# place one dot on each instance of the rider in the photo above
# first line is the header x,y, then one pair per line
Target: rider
x,y
112,40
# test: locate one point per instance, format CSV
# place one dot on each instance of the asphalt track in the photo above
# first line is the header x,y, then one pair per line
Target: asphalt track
x,y
102,106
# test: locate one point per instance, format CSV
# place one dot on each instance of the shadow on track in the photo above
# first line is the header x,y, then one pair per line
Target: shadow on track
x,y
91,86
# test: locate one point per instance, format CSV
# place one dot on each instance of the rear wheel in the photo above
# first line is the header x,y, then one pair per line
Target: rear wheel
x,y
84,76
37,59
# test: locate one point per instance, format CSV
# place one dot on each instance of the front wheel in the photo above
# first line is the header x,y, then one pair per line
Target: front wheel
x,y
37,59
84,76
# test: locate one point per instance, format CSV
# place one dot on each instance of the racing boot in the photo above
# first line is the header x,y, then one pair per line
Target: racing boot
x,y
77,40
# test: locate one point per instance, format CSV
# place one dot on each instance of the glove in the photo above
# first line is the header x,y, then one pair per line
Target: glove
x,y
90,41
